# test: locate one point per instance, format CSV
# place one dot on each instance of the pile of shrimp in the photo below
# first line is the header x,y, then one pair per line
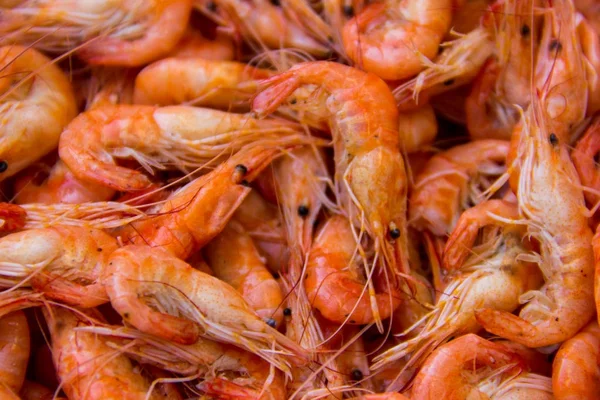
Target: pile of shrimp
x,y
299,199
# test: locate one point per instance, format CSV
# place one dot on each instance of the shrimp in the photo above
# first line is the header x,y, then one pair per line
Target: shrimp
x,y
525,386
560,70
364,122
58,186
417,128
63,262
496,275
194,44
14,350
450,180
196,213
451,372
36,103
119,33
183,136
576,367
225,370
584,160
159,294
235,260
546,181
264,24
333,283
87,366
382,396
488,117
457,65
391,39
194,81
591,10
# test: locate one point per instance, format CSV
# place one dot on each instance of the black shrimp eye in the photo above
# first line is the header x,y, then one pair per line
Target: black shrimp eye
x,y
212,6
553,139
448,82
395,233
357,375
3,166
241,169
303,211
276,3
271,322
348,11
555,45
287,311
525,30
245,183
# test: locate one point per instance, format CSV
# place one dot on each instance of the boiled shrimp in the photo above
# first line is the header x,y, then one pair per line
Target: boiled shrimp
x,y
86,365
576,367
36,103
451,372
457,65
391,39
333,282
174,301
107,32
364,123
560,70
495,275
264,24
15,348
236,261
545,182
450,180
218,84
488,117
197,212
62,262
177,135
226,371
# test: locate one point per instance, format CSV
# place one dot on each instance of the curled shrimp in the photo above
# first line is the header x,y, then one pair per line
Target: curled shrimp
x,y
15,349
457,65
333,283
495,275
110,32
183,136
87,366
546,181
235,260
194,81
197,212
162,295
454,370
576,367
391,39
590,47
450,180
63,262
36,103
364,122
226,371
